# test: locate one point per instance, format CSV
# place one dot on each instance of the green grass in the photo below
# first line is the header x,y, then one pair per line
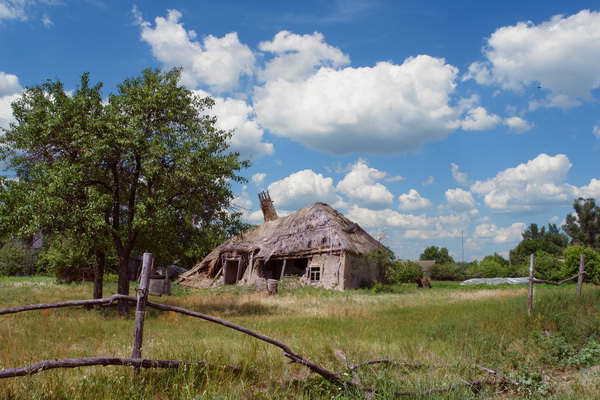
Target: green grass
x,y
553,354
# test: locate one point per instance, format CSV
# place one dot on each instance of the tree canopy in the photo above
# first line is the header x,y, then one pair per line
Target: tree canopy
x,y
147,168
439,254
550,241
584,227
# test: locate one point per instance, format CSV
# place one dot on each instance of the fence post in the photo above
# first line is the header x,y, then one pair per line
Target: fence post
x,y
140,312
580,278
530,297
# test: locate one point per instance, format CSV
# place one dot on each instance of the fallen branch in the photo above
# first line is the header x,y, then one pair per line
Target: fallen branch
x,y
388,362
498,374
75,303
90,361
328,375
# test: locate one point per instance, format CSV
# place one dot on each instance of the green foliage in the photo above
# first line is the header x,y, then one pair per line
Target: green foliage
x,y
16,259
149,171
451,271
550,241
403,272
439,254
572,260
584,227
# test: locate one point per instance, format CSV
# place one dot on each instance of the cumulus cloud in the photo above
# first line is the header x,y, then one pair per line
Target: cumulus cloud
x,y
530,187
298,56
216,62
384,109
494,234
233,114
10,90
517,124
361,186
412,201
459,200
430,181
301,189
559,55
478,119
368,218
258,178
461,178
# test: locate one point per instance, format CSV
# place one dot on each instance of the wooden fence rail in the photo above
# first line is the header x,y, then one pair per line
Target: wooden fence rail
x,y
533,281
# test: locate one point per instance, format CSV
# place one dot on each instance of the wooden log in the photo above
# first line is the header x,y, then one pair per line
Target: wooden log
x,y
140,312
104,361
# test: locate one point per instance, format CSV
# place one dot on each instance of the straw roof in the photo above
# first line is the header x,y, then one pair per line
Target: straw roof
x,y
315,229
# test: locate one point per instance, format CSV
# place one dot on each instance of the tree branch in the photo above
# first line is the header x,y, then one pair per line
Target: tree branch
x,y
104,361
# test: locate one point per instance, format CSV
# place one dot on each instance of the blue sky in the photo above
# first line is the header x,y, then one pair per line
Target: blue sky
x,y
453,124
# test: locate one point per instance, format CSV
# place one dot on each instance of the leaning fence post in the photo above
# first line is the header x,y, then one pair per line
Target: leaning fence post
x,y
580,278
142,297
530,297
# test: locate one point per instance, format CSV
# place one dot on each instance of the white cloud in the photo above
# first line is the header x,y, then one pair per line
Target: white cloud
x,y
412,201
560,55
9,84
216,62
368,218
360,185
233,114
13,9
494,234
478,119
430,181
301,189
10,90
258,178
459,200
384,109
596,130
461,178
299,56
529,187
517,124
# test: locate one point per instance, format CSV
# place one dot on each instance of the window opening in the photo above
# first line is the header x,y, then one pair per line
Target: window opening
x,y
315,274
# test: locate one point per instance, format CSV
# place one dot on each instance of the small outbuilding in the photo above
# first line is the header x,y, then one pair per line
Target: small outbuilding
x,y
317,244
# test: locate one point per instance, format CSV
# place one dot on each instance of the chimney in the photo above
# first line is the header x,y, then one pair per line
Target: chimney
x,y
266,204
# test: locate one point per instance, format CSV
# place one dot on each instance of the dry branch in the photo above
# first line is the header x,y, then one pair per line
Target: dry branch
x,y
328,375
535,280
90,361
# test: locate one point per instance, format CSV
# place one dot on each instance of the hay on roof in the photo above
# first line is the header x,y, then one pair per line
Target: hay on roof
x,y
315,229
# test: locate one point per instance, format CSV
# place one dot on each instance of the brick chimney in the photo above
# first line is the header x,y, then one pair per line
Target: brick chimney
x,y
267,207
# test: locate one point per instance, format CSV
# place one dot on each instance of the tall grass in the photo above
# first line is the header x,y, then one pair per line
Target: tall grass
x,y
442,332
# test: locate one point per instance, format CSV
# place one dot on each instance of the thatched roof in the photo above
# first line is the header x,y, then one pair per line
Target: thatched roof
x,y
315,229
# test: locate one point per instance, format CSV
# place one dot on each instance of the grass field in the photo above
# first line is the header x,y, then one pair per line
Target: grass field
x,y
442,332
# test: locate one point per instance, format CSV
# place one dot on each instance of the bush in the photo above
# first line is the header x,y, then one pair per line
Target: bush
x,y
402,272
547,266
571,264
16,259
66,259
449,272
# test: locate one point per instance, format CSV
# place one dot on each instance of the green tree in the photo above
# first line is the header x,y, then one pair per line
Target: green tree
x,y
550,241
143,170
572,260
439,254
584,227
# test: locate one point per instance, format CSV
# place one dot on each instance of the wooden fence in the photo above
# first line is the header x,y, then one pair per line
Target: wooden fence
x,y
533,280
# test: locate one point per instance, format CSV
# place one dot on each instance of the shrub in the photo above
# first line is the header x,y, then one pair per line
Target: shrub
x,y
16,259
571,264
402,272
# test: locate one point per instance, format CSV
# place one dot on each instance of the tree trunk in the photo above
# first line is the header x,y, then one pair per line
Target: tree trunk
x,y
123,286
99,274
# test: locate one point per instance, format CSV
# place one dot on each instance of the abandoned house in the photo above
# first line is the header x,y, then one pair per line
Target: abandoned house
x,y
317,244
